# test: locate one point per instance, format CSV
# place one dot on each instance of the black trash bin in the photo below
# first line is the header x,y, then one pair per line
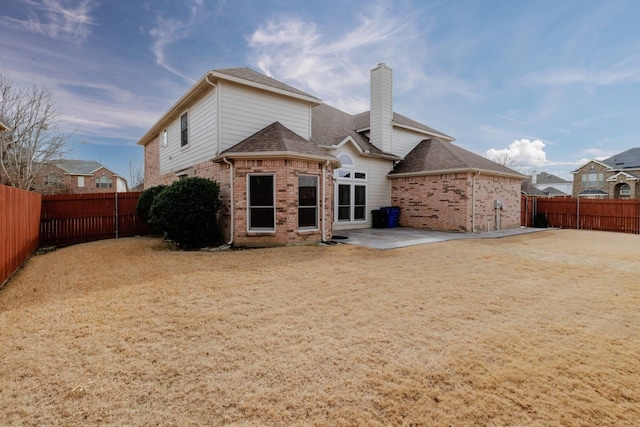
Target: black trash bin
x,y
379,218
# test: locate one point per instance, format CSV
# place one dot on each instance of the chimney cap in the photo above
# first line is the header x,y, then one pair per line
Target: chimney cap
x,y
382,64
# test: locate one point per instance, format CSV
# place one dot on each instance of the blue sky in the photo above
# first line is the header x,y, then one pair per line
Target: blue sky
x,y
553,82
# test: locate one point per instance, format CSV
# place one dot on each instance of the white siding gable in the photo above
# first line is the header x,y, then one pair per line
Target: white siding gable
x,y
405,140
203,136
245,110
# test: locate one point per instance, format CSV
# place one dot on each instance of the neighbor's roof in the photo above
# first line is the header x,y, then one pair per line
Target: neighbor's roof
x,y
554,191
439,156
547,178
78,167
362,121
276,140
527,188
629,159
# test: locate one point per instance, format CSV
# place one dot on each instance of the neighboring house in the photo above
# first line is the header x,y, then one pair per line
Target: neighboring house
x,y
292,169
77,176
613,178
528,189
552,185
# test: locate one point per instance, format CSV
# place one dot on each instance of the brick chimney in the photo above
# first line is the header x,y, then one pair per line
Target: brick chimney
x,y
381,133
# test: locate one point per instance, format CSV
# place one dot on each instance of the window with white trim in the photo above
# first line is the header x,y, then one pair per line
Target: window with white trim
x,y
104,182
184,129
308,202
262,209
351,191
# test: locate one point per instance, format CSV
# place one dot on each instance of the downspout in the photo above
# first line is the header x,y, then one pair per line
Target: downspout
x,y
473,204
231,198
324,213
206,79
224,159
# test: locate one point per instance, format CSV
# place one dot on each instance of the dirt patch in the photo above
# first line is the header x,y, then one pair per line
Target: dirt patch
x,y
539,329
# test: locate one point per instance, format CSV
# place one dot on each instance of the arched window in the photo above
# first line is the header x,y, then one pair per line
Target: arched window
x,y
350,191
625,190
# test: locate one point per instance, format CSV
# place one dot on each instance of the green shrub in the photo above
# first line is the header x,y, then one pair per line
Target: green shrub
x,y
186,211
143,208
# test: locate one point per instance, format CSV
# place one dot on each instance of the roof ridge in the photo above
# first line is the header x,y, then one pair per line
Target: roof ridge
x,y
448,148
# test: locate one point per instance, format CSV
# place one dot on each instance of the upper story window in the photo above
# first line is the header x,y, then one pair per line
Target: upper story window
x,y
165,138
592,179
104,182
184,129
52,180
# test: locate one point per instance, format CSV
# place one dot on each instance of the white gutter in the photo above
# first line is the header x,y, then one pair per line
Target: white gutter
x,y
224,159
206,79
514,175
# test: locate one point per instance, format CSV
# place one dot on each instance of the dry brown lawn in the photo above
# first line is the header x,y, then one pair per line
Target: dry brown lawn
x,y
540,329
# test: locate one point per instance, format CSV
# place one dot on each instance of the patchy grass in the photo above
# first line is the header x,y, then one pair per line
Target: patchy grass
x,y
540,329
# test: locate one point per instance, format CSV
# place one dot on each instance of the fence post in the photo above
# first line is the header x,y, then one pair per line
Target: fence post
x,y
578,213
116,214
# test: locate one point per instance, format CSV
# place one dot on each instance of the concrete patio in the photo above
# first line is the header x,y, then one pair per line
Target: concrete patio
x,y
399,237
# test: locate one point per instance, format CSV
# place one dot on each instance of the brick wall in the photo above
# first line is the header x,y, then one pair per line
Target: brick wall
x,y
152,163
445,201
286,173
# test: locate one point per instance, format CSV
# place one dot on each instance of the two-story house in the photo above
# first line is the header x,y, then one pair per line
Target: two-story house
x,y
77,176
613,178
292,169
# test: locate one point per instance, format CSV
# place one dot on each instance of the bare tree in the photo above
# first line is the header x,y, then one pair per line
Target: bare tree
x,y
136,175
504,159
34,136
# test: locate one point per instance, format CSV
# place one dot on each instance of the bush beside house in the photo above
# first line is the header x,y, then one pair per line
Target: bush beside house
x,y
186,210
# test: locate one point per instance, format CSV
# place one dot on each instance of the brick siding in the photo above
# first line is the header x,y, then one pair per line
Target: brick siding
x,y
444,202
608,186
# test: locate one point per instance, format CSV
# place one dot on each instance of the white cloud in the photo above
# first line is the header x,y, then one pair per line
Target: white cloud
x,y
522,153
57,19
335,66
167,31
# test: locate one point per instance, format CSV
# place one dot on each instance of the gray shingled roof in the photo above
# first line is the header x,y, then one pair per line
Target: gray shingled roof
x,y
554,191
363,121
436,154
277,138
547,178
330,126
527,188
629,159
246,73
78,167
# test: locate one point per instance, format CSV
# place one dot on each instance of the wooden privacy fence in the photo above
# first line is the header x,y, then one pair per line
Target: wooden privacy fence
x,y
584,214
78,218
19,228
